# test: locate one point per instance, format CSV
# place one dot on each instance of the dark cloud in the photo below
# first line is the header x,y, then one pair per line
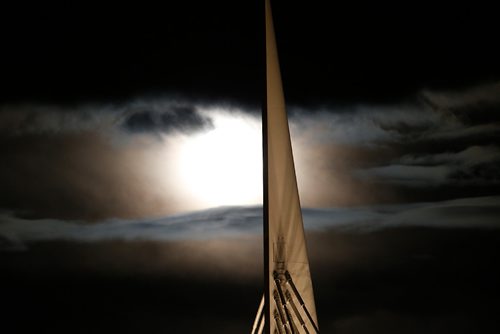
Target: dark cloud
x,y
176,118
474,165
51,119
147,115
421,149
471,104
483,173
469,156
425,115
407,131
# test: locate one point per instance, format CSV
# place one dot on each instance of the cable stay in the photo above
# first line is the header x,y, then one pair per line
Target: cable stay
x,y
286,313
289,300
258,324
283,303
289,281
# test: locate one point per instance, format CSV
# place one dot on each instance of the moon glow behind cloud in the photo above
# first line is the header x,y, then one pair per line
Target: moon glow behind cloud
x,y
223,166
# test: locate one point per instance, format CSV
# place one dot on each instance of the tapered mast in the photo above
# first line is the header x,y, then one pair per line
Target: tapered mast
x,y
288,298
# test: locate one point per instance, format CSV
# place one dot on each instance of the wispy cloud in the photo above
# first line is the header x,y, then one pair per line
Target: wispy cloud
x,y
484,94
367,125
407,175
475,164
481,212
152,115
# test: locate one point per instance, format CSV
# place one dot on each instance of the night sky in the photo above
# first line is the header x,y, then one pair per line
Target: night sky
x,y
130,172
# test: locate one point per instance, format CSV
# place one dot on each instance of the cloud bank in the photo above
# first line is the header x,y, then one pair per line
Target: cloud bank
x,y
232,222
95,162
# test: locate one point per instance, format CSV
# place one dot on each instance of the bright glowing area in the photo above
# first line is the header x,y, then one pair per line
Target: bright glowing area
x,y
223,166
